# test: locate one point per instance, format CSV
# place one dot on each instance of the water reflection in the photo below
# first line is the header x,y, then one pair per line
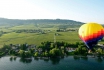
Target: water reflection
x,y
46,59
84,58
36,58
11,58
24,60
80,57
99,59
56,60
15,58
76,57
59,63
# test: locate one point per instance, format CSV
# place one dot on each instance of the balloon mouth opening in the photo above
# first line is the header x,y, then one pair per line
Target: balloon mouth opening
x,y
91,44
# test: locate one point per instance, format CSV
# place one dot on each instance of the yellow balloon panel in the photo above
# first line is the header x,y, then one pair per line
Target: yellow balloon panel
x,y
89,29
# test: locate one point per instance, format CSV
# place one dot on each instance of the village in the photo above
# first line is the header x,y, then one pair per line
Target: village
x,y
16,48
60,49
45,50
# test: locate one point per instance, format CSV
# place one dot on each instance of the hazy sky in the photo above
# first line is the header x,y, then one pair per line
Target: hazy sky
x,y
79,10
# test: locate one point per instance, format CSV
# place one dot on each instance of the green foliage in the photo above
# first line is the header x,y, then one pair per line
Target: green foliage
x,y
23,47
25,54
55,52
81,50
12,52
45,46
28,54
46,54
6,47
22,53
36,54
100,52
32,50
2,53
93,50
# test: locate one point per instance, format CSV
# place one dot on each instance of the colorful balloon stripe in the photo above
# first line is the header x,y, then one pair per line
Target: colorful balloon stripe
x,y
90,29
93,36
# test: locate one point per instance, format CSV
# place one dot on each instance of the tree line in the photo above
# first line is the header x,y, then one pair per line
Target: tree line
x,y
49,49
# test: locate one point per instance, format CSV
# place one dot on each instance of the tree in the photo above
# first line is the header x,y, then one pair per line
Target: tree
x,y
23,47
55,52
99,51
28,54
32,50
5,48
81,50
63,50
12,52
46,54
22,53
25,54
84,51
36,54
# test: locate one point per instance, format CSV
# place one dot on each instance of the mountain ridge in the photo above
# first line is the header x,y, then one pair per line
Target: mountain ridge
x,y
27,21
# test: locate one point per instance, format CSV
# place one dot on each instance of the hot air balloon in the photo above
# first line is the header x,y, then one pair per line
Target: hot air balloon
x,y
91,33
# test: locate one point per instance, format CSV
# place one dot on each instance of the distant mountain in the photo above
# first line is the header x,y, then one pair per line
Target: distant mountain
x,y
4,21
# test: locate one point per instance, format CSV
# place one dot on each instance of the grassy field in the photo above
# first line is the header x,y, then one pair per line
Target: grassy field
x,y
37,38
12,37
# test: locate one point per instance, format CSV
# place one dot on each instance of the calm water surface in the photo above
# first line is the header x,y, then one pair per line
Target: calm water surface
x,y
66,63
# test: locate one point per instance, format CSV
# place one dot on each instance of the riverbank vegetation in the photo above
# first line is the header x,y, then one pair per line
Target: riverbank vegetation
x,y
50,50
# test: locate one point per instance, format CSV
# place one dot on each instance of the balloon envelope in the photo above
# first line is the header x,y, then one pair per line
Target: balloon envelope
x,y
91,33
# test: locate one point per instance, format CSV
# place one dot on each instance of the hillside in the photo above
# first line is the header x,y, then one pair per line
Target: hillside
x,y
35,31
4,21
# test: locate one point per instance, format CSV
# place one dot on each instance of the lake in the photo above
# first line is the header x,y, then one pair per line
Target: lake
x,y
66,63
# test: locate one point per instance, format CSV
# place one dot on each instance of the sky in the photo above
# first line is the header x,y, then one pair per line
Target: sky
x,y
78,10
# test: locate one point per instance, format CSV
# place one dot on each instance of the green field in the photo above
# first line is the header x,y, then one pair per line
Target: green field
x,y
37,38
11,37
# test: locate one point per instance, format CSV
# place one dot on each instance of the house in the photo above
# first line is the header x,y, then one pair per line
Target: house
x,y
70,49
101,46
